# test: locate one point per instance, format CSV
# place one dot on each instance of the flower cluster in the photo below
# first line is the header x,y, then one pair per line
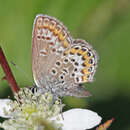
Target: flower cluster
x,y
32,111
35,111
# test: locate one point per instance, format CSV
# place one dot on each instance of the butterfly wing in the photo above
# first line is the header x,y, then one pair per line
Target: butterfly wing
x,y
79,64
49,39
83,58
85,61
59,63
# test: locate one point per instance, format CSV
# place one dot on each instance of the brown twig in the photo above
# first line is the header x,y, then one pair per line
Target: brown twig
x,y
8,74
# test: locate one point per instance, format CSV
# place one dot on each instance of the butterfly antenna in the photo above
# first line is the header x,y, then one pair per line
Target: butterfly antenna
x,y
21,70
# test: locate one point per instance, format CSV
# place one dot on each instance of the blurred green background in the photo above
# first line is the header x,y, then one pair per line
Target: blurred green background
x,y
105,24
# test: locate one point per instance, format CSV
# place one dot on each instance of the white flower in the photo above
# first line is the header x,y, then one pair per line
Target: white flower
x,y
79,119
4,107
26,111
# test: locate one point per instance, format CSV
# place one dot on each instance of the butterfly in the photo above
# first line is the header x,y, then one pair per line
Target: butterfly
x,y
60,64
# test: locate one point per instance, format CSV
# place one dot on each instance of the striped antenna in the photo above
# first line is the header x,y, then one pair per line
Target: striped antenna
x,y
21,70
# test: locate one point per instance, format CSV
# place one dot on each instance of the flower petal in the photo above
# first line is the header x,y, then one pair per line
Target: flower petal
x,y
80,119
4,106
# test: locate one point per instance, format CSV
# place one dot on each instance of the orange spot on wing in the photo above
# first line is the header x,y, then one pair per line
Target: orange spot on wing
x,y
80,52
85,57
84,53
84,78
52,26
86,63
85,71
46,23
61,37
65,44
45,26
73,51
39,22
66,52
55,32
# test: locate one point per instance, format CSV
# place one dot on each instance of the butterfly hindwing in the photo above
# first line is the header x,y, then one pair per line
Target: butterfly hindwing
x,y
84,60
78,66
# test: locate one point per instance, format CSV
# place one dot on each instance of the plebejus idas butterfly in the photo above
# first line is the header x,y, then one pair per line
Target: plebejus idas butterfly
x,y
60,64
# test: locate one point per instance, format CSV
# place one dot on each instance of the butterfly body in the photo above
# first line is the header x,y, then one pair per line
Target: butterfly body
x,y
60,63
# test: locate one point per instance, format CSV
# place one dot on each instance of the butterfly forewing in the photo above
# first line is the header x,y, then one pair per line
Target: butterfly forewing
x,y
50,40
